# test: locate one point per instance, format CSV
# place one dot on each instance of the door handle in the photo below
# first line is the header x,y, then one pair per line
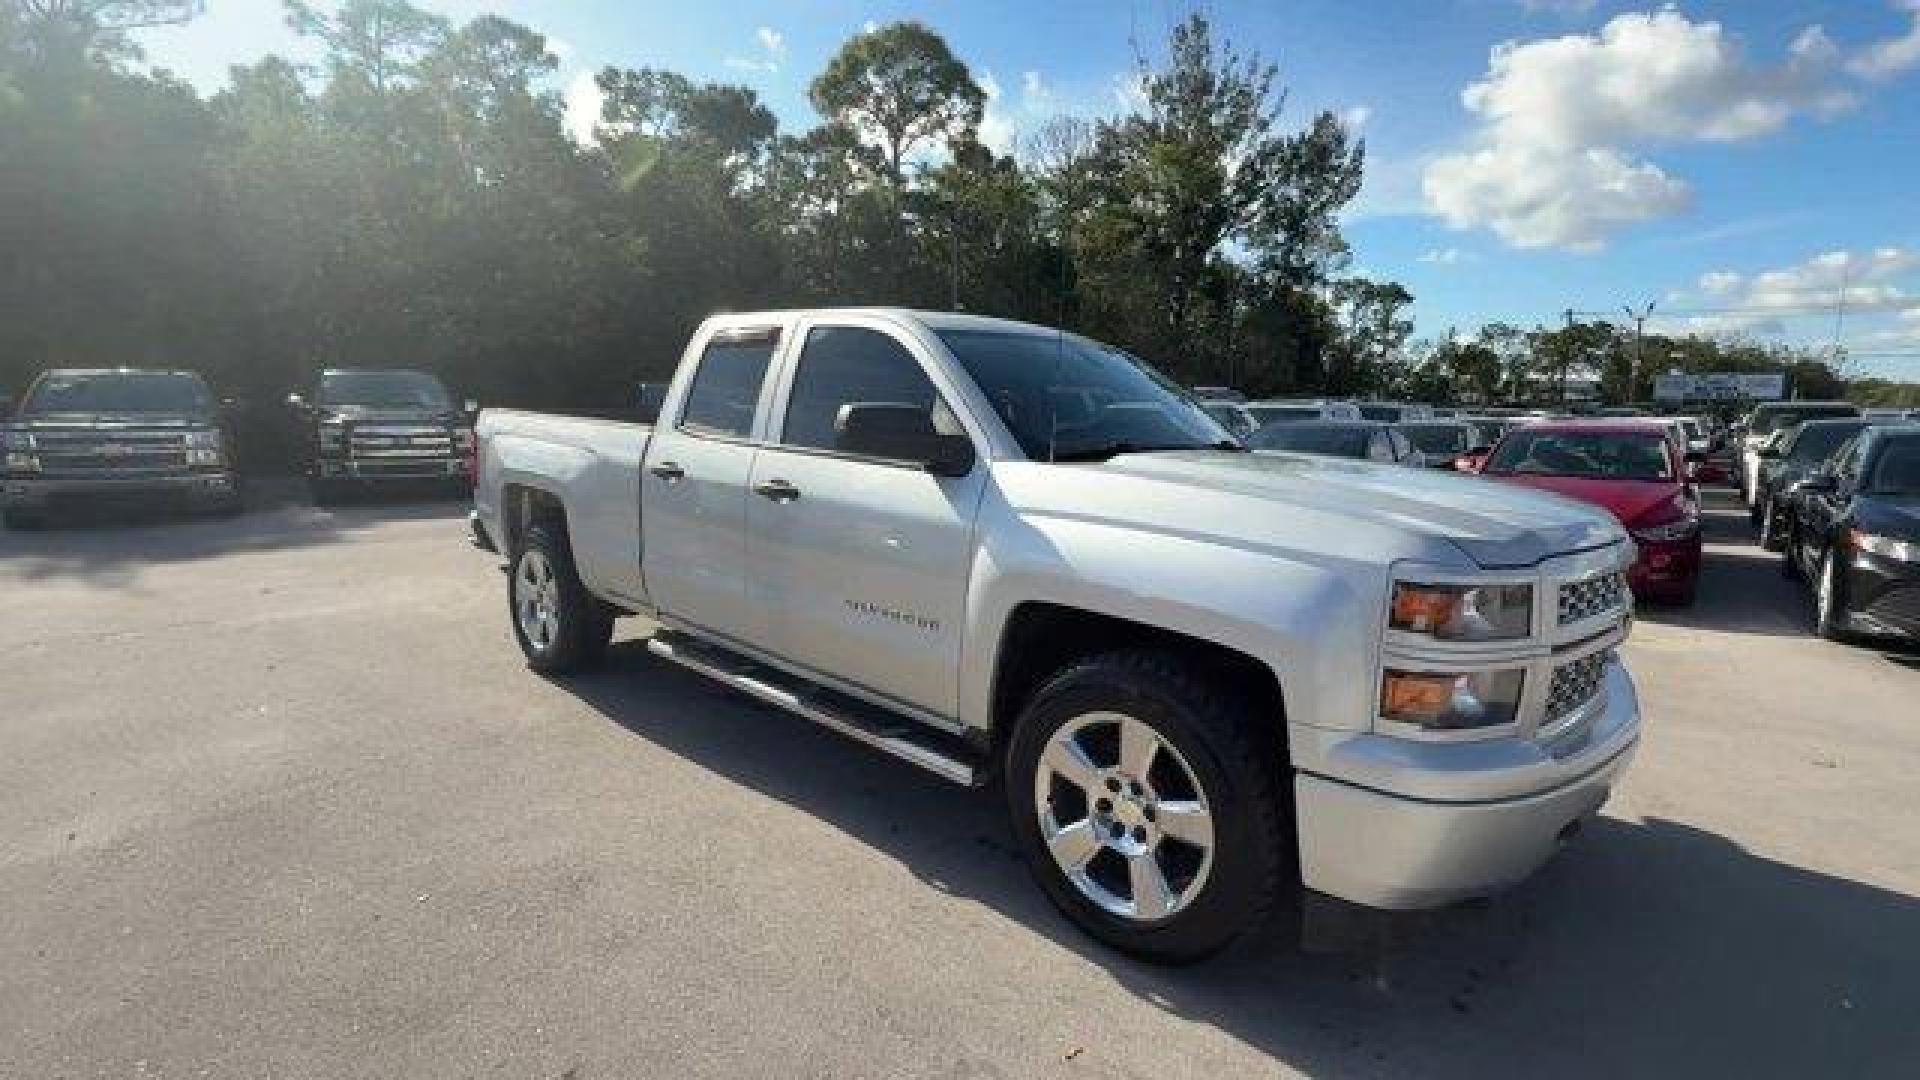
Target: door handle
x,y
669,471
778,490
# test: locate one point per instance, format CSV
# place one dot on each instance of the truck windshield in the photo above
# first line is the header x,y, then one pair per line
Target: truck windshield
x,y
1066,398
118,391
382,390
1598,455
1898,470
1816,442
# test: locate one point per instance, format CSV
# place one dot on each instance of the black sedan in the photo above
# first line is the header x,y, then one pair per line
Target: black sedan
x,y
1856,536
1363,439
1794,455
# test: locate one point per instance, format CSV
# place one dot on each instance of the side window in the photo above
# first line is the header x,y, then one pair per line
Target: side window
x,y
842,365
726,388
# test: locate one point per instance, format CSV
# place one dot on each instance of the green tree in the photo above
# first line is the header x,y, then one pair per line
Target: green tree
x,y
902,83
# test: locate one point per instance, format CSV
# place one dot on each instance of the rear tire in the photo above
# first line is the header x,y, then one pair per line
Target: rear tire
x,y
1165,801
561,628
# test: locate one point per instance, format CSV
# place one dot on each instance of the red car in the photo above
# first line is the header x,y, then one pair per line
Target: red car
x,y
1632,468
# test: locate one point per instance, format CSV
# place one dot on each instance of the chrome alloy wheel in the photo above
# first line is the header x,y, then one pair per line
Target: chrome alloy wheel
x,y
1124,816
536,600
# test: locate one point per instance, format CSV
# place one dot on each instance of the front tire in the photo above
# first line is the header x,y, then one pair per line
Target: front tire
x,y
1769,527
560,626
1830,601
1150,806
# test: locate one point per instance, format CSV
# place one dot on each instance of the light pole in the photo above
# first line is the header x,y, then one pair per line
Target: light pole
x,y
1639,329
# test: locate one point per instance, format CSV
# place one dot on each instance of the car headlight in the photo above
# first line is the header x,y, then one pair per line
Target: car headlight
x,y
1498,611
1678,529
1885,546
203,449
333,439
20,442
1457,701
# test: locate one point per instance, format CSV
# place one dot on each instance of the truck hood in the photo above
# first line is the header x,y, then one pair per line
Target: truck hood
x,y
113,421
1492,524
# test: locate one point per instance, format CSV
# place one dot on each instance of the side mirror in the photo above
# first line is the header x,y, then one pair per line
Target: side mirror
x,y
898,432
470,407
295,401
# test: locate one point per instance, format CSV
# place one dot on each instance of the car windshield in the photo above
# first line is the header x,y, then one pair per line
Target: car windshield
x,y
1385,413
1599,455
118,391
1775,420
1817,442
382,390
1897,472
1338,440
1437,438
1067,398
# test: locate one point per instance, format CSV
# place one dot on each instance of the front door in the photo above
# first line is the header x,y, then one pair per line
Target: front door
x,y
694,490
862,564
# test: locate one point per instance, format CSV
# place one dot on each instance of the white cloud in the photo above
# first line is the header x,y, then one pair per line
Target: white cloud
x,y
1761,302
1719,282
869,27
773,52
1553,163
1449,256
1034,92
1355,118
561,48
582,100
1130,90
1892,56
997,129
1560,7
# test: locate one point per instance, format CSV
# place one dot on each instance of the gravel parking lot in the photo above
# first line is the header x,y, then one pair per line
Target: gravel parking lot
x,y
277,798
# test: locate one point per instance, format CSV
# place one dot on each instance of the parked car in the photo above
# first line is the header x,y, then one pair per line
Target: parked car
x,y
1214,682
1856,536
89,434
1631,468
370,428
1233,416
1764,421
1441,442
1787,459
1395,412
1360,439
1284,411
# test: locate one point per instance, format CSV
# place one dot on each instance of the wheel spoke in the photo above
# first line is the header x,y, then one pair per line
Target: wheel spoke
x,y
1069,761
1187,821
1138,745
1074,844
1151,897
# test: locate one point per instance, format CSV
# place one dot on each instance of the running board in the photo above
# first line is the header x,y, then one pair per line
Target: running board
x,y
933,751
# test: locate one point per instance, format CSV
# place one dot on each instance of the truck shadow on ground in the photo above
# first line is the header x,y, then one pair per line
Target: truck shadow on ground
x,y
107,545
1647,948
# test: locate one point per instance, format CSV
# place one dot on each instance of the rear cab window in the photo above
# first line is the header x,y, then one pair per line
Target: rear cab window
x,y
726,387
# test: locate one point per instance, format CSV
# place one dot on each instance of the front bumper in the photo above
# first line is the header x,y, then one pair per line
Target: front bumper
x,y
389,469
1883,595
34,492
1470,820
1667,570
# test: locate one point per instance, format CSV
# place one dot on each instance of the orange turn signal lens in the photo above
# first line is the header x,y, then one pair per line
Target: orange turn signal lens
x,y
1421,611
1411,697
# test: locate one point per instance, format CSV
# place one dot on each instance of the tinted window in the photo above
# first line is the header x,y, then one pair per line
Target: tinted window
x,y
1283,414
1437,438
1384,413
726,388
382,390
846,364
1312,439
1817,442
1067,397
1601,455
118,391
1897,470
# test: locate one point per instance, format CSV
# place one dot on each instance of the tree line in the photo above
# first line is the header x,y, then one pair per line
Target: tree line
x,y
414,199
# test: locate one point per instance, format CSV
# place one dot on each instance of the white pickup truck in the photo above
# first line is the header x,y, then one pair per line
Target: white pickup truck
x,y
1212,683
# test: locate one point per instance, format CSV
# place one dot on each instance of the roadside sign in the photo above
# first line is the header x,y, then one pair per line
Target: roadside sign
x,y
1721,386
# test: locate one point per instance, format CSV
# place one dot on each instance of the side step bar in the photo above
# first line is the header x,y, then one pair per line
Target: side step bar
x,y
933,751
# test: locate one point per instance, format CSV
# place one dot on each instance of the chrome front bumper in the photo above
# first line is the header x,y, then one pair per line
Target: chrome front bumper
x,y
1465,819
31,491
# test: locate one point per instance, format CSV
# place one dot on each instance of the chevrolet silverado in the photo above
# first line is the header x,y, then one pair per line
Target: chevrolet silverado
x,y
1215,686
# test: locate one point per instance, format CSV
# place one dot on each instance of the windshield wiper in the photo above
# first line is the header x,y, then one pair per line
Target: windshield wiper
x,y
1103,451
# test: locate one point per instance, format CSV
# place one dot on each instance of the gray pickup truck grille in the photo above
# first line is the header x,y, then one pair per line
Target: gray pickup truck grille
x,y
1582,600
401,442
110,453
1574,685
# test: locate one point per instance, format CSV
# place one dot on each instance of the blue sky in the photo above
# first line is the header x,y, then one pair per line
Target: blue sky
x,y
1735,162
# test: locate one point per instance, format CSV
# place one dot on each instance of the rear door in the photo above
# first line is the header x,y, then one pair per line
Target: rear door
x,y
862,564
694,487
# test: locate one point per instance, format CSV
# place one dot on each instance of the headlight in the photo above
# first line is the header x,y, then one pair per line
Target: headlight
x,y
20,442
1679,529
332,439
1490,612
1451,702
20,462
1885,546
203,449
203,440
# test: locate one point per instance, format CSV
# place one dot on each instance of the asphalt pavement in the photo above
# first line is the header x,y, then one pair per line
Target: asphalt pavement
x,y
278,799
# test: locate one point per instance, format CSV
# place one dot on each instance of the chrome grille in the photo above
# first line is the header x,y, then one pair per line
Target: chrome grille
x,y
1574,685
401,442
110,453
1588,597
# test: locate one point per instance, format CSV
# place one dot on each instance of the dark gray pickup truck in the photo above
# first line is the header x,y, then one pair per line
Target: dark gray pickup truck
x,y
364,428
87,434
